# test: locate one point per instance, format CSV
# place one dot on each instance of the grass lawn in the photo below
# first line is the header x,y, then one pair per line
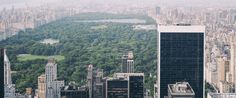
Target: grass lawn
x,y
28,57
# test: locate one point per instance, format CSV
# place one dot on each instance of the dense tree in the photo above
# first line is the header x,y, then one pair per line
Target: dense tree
x,y
81,46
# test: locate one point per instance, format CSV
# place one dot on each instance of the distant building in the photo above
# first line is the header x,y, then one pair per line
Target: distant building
x,y
124,63
2,72
136,86
51,76
7,69
9,88
52,84
9,91
155,94
74,92
221,95
180,90
127,63
158,10
125,85
96,82
57,87
90,80
117,88
29,92
42,86
232,70
226,87
181,57
18,95
98,89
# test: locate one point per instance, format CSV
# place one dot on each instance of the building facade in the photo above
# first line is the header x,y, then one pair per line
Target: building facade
x,y
98,91
74,92
127,63
42,86
2,71
9,88
232,71
96,83
90,80
124,63
125,85
136,86
117,88
57,88
7,69
52,84
221,95
181,57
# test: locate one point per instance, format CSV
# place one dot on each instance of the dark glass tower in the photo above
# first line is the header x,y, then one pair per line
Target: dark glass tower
x,y
117,89
136,89
181,57
74,92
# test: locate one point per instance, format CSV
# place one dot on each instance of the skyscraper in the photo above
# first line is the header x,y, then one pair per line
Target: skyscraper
x,y
52,84
98,84
57,88
7,69
9,88
181,57
127,63
74,92
117,88
90,80
42,86
233,61
124,63
126,85
51,75
2,72
136,86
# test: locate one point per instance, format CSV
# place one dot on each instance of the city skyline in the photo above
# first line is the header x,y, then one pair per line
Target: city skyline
x,y
132,49
181,57
175,3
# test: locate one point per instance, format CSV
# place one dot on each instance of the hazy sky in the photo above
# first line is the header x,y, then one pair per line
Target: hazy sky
x,y
225,3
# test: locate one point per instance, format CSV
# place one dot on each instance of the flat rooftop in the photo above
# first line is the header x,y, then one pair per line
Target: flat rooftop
x,y
181,29
181,88
126,75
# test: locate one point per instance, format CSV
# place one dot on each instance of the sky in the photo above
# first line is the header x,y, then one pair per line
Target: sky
x,y
206,3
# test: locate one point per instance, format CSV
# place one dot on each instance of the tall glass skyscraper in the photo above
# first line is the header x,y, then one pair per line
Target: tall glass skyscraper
x,y
181,57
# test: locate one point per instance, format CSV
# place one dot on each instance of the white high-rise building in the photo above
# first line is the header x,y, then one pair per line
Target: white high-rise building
x,y
51,74
9,88
7,69
52,84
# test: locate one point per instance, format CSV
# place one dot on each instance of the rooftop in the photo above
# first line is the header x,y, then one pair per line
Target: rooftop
x,y
181,28
221,95
181,88
126,75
